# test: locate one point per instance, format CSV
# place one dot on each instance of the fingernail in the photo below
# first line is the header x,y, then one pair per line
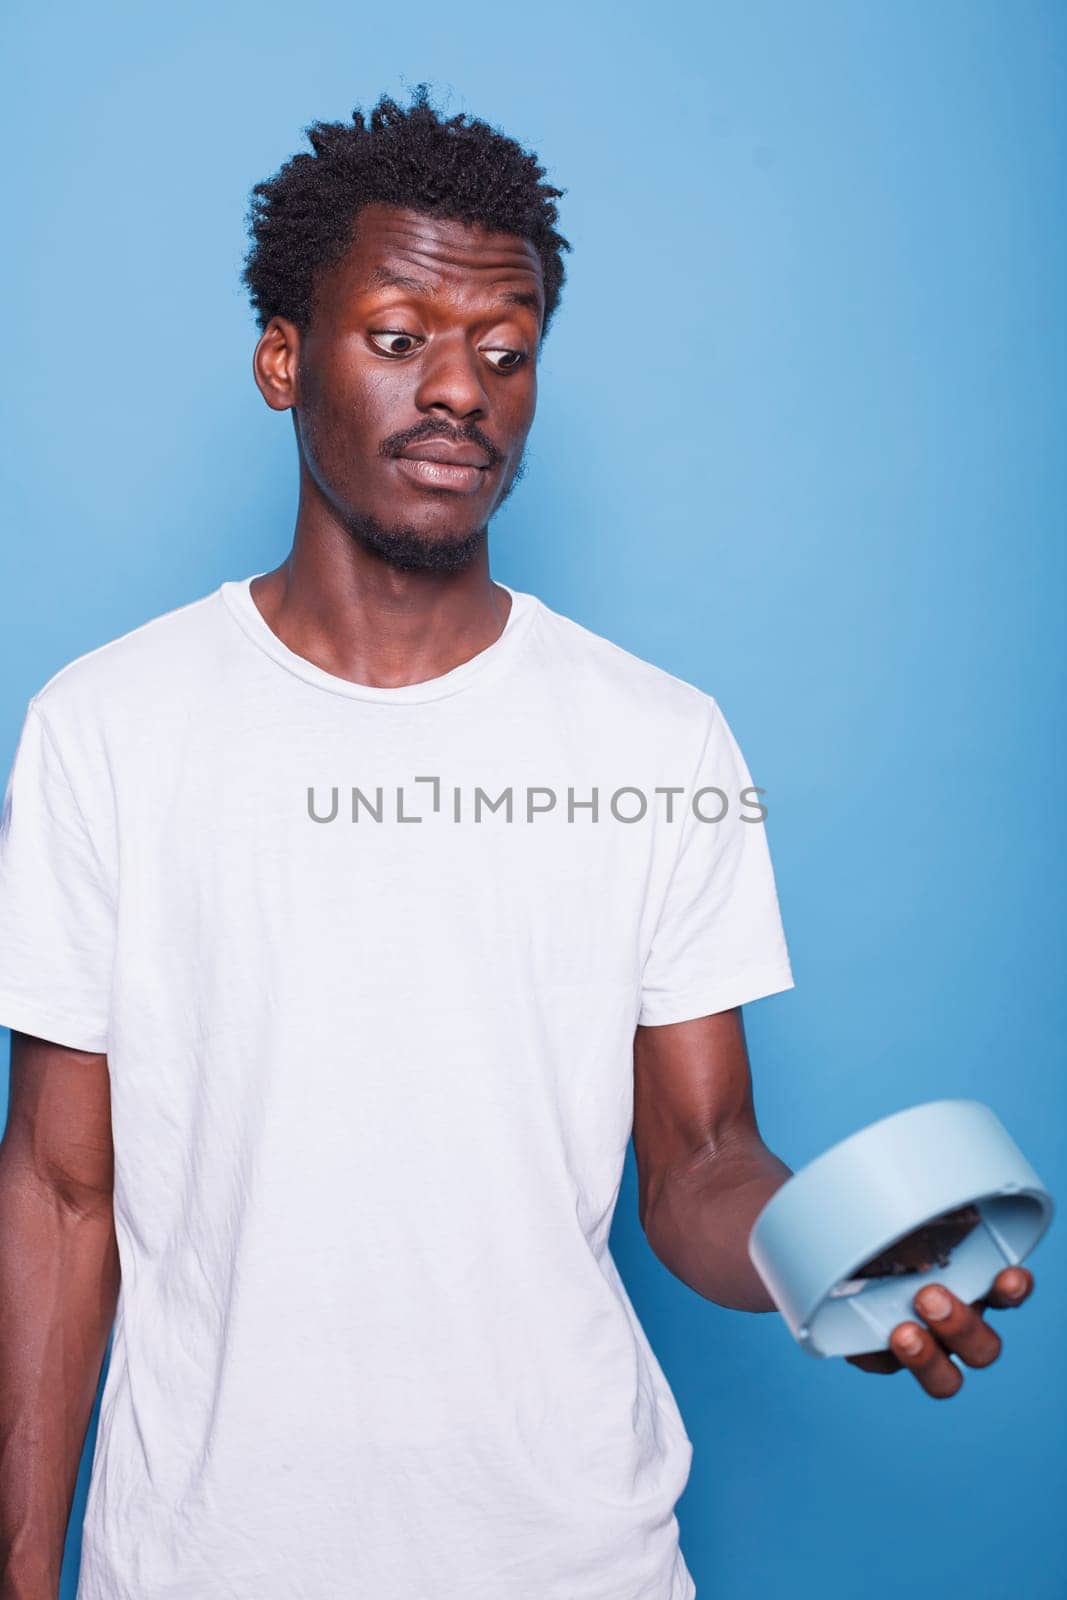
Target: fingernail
x,y
910,1341
935,1304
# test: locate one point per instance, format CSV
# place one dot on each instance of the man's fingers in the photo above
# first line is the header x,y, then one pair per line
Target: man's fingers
x,y
875,1361
953,1327
919,1351
958,1326
1011,1286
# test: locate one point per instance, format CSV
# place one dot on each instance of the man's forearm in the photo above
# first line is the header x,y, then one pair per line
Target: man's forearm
x,y
59,1279
701,1218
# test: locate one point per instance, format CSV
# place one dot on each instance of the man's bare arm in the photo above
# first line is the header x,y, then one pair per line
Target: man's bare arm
x,y
704,1173
59,1281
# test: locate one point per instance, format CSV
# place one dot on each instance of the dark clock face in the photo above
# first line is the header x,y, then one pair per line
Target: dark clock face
x,y
929,1246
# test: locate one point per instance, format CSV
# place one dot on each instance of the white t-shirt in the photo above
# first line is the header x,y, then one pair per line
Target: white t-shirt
x,y
370,1026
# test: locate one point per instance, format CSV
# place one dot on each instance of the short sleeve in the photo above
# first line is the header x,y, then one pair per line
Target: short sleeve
x,y
57,910
719,940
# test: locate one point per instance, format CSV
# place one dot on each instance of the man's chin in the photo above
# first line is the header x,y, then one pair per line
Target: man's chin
x,y
411,551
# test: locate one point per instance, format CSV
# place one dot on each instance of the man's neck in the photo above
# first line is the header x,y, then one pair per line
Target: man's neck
x,y
350,613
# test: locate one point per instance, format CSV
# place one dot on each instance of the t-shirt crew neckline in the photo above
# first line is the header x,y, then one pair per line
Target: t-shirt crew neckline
x,y
237,595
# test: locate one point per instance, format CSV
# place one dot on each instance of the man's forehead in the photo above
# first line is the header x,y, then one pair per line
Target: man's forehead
x,y
408,249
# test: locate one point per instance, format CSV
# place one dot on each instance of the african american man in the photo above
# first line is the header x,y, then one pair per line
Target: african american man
x,y
352,919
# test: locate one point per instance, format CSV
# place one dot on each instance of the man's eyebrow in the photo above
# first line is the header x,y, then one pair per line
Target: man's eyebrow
x,y
386,278
523,297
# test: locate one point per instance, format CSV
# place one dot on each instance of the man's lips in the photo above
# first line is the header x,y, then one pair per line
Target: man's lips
x,y
439,464
452,455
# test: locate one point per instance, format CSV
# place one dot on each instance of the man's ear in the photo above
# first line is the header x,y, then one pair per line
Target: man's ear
x,y
275,364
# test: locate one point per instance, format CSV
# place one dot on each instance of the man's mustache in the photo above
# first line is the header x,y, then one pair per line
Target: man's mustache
x,y
397,443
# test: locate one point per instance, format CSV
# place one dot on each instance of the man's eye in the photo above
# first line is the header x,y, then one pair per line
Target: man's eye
x,y
385,339
510,359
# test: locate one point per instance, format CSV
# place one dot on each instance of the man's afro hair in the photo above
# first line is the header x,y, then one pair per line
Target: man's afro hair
x,y
302,220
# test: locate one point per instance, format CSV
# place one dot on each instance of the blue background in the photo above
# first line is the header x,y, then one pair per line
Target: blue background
x,y
800,442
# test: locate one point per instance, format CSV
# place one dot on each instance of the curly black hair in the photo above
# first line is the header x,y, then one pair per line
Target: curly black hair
x,y
302,220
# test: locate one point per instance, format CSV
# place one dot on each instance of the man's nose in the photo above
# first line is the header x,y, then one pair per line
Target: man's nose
x,y
451,379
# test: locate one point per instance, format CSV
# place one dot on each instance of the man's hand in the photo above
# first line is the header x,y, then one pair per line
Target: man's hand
x,y
952,1326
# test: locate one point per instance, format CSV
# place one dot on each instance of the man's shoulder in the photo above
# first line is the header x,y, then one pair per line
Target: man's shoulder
x,y
135,669
595,665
